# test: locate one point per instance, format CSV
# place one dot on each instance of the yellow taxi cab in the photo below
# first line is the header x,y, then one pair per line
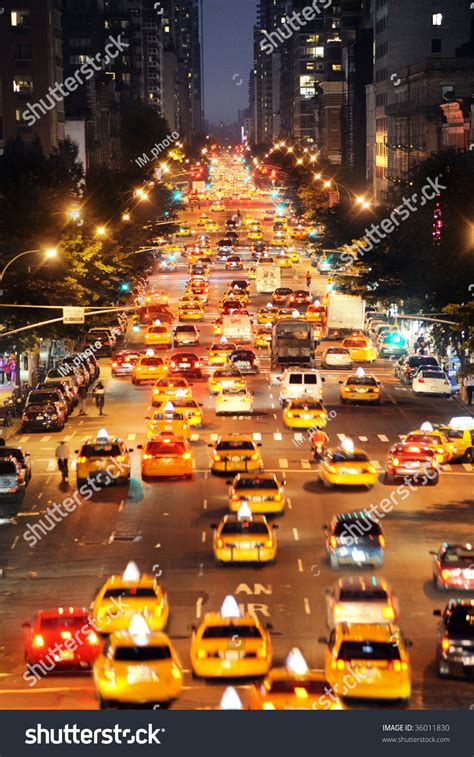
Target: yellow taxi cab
x,y
217,328
183,231
137,666
251,273
229,644
191,311
375,657
220,351
360,387
304,414
248,221
268,314
168,421
460,433
293,255
234,453
188,407
263,338
212,226
158,335
203,220
188,299
241,295
264,494
226,378
316,313
347,466
255,234
170,389
284,261
217,207
435,440
149,367
299,232
361,349
278,241
244,538
123,595
103,458
294,687
166,456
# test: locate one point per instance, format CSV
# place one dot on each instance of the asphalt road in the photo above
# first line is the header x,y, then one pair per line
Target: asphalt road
x,y
165,527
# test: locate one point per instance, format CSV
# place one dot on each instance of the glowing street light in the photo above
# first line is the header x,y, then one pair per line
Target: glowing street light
x,y
101,231
74,214
50,252
141,194
126,217
327,184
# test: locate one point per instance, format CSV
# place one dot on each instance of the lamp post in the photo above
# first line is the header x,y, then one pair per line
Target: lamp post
x,y
48,253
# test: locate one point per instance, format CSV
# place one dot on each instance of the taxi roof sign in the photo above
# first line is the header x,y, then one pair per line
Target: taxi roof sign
x,y
296,663
139,629
360,373
347,444
230,700
244,511
131,572
230,608
462,423
102,435
426,426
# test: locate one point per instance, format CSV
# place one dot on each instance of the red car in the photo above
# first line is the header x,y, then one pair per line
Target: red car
x,y
62,637
453,567
185,364
281,295
417,462
299,297
123,362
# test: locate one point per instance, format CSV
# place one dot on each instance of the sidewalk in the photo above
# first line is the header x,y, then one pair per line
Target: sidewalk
x,y
5,394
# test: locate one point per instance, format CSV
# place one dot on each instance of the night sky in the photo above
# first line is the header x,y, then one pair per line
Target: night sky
x,y
228,51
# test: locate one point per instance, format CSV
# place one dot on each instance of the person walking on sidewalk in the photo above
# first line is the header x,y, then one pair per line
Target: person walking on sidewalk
x,y
469,384
99,394
62,456
2,369
82,399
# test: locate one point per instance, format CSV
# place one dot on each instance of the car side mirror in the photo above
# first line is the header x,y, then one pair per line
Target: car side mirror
x,y
322,640
130,449
275,526
139,446
269,626
340,382
147,418
325,528
437,613
259,444
76,451
26,625
408,643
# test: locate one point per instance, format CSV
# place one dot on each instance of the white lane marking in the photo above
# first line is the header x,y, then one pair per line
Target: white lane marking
x,y
376,464
383,438
257,437
283,463
446,467
467,466
204,504
214,437
68,438
131,437
51,465
363,438
122,505
15,542
296,535
307,608
277,436
305,464
203,537
74,465
24,439
300,565
45,439
194,437
199,602
289,503
298,437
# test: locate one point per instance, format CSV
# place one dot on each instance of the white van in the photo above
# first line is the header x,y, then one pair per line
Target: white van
x,y
300,383
237,328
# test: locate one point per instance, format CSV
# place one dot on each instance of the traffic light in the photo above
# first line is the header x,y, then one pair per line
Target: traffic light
x,y
177,196
125,287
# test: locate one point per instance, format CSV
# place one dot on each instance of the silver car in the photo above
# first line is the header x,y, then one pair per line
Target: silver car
x,y
357,599
337,357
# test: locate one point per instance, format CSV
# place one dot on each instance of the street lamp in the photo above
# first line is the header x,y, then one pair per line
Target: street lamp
x,y
126,217
100,231
74,214
50,252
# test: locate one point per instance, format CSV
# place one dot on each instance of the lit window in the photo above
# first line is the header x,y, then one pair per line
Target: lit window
x,y
20,18
319,52
23,83
336,67
437,19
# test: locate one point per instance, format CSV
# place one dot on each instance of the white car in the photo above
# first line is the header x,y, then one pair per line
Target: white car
x,y
185,335
234,401
361,600
431,381
337,357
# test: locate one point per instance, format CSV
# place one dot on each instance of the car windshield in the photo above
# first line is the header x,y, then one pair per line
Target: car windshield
x,y
284,291
301,405
7,467
168,417
12,452
228,446
227,374
243,355
368,650
460,619
40,408
151,361
63,622
355,343
140,592
142,654
459,556
37,397
164,449
422,439
370,527
361,380
100,450
337,351
286,686
232,632
343,456
186,330
157,330
256,483
434,375
244,527
373,594
223,347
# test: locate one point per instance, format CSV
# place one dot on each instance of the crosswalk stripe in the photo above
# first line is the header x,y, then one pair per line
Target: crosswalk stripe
x,y
283,463
131,437
306,464
73,465
376,464
51,465
257,437
383,438
363,438
214,437
298,437
467,466
277,436
45,439
446,467
24,439
194,437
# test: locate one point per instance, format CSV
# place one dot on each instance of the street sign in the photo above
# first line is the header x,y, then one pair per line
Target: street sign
x,y
73,315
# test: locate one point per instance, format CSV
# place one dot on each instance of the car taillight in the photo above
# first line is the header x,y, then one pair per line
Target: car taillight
x,y
262,652
197,364
81,459
445,644
220,543
66,634
269,706
217,457
114,365
255,456
333,542
93,638
186,455
147,457
38,641
173,364
388,613
446,383
269,543
398,665
421,381
395,461
381,541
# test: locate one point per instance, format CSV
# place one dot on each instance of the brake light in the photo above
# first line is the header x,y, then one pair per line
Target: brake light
x,y
333,542
262,652
81,459
38,641
395,461
186,455
421,381
93,638
66,634
381,541
269,706
445,645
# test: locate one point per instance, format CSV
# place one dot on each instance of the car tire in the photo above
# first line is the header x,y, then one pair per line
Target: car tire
x,y
343,401
388,479
433,481
468,455
325,483
103,704
440,673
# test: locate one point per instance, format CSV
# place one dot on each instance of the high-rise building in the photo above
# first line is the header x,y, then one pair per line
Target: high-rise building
x,y
31,71
269,47
186,16
407,32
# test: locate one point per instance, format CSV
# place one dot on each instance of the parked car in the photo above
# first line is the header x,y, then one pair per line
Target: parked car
x,y
12,481
21,456
42,417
